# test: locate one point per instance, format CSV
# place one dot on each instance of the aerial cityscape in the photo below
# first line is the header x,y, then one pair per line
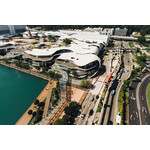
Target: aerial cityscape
x,y
75,74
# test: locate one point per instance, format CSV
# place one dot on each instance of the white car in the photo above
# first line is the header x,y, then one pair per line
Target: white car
x,y
83,116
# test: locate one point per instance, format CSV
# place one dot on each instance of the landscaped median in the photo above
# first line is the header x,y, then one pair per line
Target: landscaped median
x,y
124,94
148,94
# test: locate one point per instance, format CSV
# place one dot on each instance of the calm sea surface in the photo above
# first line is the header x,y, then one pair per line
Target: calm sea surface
x,y
17,92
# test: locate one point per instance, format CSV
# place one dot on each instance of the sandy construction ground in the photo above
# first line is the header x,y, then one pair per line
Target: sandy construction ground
x,y
77,95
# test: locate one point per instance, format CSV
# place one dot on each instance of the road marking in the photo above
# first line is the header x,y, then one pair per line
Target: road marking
x,y
131,117
137,97
137,114
142,97
144,109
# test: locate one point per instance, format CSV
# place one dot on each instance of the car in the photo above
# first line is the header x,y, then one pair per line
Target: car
x,y
119,80
92,98
127,70
83,116
97,96
91,112
112,92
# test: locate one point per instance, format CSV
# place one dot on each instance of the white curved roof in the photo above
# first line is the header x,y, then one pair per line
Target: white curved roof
x,y
80,35
6,43
80,60
80,48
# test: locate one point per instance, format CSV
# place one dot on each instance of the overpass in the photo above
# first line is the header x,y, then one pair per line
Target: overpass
x,y
126,38
116,48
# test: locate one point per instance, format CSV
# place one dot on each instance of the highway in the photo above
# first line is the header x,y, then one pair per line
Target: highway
x,y
125,76
111,104
138,108
108,105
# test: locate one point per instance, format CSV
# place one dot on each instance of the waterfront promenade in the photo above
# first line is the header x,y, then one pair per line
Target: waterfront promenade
x,y
25,119
26,71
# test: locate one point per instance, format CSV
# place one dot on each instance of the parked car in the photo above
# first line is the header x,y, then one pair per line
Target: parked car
x,y
83,116
92,98
97,96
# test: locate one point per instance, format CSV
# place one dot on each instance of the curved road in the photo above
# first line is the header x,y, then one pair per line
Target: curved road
x,y
138,108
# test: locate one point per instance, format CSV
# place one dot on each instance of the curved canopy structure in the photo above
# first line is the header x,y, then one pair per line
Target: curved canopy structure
x,y
79,60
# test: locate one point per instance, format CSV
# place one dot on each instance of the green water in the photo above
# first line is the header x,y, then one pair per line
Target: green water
x,y
17,92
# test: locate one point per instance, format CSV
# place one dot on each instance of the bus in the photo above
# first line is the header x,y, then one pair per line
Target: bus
x,y
108,78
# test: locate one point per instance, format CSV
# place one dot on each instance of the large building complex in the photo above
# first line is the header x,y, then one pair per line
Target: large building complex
x,y
80,56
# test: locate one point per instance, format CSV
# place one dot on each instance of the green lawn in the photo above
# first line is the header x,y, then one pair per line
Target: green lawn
x,y
148,94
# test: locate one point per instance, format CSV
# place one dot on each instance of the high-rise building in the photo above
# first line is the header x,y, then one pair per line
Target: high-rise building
x,y
11,29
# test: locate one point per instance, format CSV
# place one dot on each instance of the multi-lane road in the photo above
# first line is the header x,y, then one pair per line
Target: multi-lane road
x,y
111,104
138,107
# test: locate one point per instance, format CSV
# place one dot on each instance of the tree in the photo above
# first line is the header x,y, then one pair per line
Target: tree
x,y
68,71
57,86
141,39
65,119
57,76
36,102
85,83
72,110
55,92
7,60
59,122
41,104
74,73
67,41
33,114
90,73
42,64
51,74
30,112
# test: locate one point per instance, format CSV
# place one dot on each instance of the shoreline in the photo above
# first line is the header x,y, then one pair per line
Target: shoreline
x,y
25,117
44,77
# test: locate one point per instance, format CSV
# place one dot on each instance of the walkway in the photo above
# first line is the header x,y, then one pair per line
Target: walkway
x,y
52,84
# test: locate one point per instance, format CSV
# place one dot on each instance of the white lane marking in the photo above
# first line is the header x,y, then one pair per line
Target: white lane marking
x,y
136,114
144,109
132,97
142,97
131,117
137,97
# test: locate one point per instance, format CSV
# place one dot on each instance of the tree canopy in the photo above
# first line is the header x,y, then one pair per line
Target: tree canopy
x,y
143,29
